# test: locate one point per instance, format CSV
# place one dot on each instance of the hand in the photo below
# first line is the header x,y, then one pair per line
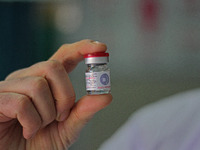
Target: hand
x,y
37,104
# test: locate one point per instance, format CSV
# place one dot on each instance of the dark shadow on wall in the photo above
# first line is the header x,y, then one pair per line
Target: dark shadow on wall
x,y
26,35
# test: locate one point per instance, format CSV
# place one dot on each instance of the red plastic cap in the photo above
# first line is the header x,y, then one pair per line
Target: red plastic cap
x,y
100,54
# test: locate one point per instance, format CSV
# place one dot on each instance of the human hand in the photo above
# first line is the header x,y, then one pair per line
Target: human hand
x,y
37,104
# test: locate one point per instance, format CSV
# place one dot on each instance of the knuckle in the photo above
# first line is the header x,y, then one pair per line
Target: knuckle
x,y
5,98
54,66
24,103
37,123
70,62
51,117
23,100
64,46
38,84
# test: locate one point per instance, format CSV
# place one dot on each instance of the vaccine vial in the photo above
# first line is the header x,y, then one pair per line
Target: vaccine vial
x,y
97,75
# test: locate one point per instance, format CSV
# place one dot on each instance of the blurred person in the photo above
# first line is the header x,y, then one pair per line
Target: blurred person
x,y
37,104
170,124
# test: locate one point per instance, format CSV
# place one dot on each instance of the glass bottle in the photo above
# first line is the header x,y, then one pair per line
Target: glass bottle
x,y
97,75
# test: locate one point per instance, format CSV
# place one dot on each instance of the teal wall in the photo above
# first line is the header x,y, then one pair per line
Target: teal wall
x,y
25,36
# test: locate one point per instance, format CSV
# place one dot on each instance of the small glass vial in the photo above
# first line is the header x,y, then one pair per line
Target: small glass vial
x,y
97,75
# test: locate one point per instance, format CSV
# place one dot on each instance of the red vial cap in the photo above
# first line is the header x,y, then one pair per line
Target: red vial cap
x,y
99,54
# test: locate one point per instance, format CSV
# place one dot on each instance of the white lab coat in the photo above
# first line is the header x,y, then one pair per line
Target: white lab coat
x,y
170,124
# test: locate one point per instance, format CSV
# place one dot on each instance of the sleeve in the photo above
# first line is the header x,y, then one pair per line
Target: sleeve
x,y
172,123
126,138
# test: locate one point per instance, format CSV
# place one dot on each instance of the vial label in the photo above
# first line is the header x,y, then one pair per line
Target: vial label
x,y
97,80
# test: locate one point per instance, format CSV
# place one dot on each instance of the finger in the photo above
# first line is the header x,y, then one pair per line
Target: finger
x,y
18,106
71,54
39,92
59,82
81,113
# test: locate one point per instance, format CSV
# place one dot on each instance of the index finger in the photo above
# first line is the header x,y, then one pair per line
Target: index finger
x,y
71,54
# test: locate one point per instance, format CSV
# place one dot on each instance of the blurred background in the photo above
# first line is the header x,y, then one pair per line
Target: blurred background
x,y
154,48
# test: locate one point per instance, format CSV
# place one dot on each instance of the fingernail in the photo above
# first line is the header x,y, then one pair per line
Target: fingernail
x,y
31,136
96,42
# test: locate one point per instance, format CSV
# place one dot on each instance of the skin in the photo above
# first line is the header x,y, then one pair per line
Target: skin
x,y
37,104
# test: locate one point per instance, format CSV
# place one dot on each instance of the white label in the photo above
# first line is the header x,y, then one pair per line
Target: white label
x,y
97,80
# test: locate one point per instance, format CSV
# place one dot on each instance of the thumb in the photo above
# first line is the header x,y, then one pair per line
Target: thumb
x,y
81,113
